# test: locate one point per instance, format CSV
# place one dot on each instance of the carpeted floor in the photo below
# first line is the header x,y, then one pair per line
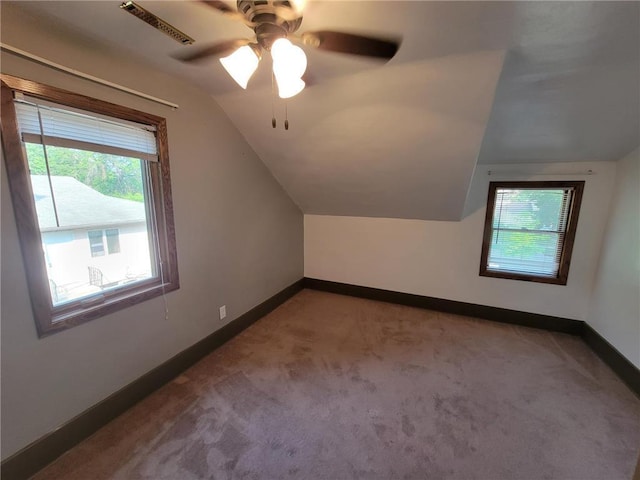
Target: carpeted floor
x,y
334,387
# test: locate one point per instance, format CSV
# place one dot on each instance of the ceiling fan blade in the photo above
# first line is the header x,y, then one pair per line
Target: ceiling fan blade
x,y
219,5
350,43
215,50
225,9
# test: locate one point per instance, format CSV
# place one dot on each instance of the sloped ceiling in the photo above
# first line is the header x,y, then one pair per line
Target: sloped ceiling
x,y
472,82
393,147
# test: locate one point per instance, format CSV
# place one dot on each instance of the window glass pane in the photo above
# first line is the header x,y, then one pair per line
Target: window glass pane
x,y
528,208
88,197
528,230
523,252
95,243
113,240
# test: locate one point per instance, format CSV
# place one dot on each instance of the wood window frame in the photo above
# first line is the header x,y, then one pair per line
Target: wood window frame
x,y
50,319
569,237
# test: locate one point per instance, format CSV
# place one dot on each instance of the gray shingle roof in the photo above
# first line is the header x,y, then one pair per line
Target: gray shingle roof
x,y
81,206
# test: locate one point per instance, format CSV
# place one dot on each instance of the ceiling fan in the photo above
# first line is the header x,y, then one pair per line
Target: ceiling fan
x,y
275,23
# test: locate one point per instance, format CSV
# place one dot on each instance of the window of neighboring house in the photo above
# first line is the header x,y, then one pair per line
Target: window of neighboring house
x,y
113,240
95,243
529,230
79,169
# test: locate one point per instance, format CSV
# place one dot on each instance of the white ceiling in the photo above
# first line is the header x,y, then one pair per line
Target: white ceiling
x,y
487,82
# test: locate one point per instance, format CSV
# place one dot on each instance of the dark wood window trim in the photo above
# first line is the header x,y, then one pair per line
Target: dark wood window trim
x,y
567,247
51,319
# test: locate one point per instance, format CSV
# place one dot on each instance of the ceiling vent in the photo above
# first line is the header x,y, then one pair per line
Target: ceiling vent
x,y
157,23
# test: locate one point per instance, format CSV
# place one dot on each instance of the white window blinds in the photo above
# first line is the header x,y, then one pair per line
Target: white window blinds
x,y
57,125
528,230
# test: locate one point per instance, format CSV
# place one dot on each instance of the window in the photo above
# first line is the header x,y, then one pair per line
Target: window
x,y
95,243
529,230
90,185
113,240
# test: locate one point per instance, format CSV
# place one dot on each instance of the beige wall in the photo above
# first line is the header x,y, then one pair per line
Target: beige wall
x,y
615,306
239,239
442,259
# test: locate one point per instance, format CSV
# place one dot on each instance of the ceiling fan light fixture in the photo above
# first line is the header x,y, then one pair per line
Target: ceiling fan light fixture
x,y
289,64
290,88
241,64
298,5
273,22
288,57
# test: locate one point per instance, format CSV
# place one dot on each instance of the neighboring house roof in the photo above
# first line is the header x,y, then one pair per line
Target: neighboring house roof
x,y
79,205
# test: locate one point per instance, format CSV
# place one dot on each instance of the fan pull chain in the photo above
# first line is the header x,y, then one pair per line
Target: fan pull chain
x,y
286,116
273,108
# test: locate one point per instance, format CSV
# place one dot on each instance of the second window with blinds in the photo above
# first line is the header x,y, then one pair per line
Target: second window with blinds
x,y
529,230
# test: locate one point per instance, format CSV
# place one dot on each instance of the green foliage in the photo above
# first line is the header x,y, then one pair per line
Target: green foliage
x,y
108,174
527,210
525,245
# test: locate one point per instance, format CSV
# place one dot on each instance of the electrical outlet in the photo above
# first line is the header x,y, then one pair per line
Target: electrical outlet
x,y
223,311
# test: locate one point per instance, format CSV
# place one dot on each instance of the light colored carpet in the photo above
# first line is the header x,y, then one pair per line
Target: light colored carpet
x,y
334,387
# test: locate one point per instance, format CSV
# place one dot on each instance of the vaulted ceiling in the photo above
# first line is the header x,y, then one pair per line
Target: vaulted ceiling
x,y
473,82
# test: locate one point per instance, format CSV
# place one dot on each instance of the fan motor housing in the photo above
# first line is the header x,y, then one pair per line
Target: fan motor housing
x,y
272,19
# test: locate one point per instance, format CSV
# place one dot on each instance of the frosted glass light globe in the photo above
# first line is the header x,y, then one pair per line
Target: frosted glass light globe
x,y
290,88
289,64
241,64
